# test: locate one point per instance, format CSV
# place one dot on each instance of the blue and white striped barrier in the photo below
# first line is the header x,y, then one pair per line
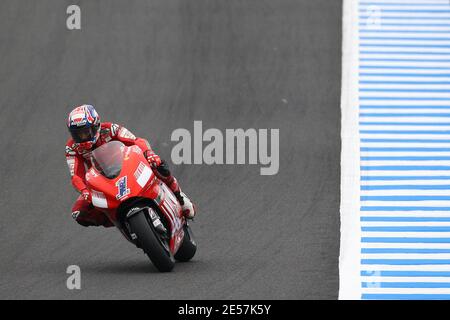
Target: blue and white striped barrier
x,y
395,201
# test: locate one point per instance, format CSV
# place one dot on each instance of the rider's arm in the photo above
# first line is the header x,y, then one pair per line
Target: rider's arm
x,y
123,135
77,169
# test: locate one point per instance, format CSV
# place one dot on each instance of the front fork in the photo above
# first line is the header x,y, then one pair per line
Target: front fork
x,y
152,217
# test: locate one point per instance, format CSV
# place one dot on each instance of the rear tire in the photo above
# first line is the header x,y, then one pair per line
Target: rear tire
x,y
188,248
151,242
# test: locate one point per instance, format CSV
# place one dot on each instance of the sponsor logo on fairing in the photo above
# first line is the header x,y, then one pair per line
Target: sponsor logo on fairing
x,y
170,205
121,185
99,199
142,174
139,170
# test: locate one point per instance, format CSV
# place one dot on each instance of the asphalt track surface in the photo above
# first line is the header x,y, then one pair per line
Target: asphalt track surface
x,y
155,66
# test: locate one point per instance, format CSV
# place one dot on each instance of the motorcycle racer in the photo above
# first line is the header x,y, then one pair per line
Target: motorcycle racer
x,y
88,133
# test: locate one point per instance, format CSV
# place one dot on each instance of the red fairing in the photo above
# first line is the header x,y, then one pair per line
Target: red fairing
x,y
136,179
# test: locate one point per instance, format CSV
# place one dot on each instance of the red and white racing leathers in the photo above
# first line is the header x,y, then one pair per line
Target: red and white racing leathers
x,y
78,161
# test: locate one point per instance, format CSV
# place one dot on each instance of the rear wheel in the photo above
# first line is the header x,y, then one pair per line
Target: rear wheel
x,y
188,248
153,243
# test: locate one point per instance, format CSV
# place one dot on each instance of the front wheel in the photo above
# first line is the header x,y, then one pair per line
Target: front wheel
x,y
154,246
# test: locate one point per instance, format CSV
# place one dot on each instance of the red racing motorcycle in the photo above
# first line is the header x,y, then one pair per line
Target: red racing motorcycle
x,y
142,207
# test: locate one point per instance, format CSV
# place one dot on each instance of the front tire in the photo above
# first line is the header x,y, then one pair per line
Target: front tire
x,y
151,242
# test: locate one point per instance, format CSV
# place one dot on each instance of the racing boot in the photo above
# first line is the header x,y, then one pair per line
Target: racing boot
x,y
189,209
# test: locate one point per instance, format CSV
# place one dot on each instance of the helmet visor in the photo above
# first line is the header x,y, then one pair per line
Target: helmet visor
x,y
83,134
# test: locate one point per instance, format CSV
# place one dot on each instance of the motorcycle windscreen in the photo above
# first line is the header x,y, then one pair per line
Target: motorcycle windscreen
x,y
108,159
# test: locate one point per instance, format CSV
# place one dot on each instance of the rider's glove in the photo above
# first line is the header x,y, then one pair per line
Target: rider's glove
x,y
152,158
86,194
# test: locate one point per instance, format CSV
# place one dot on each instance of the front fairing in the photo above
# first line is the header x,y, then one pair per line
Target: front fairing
x,y
134,179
